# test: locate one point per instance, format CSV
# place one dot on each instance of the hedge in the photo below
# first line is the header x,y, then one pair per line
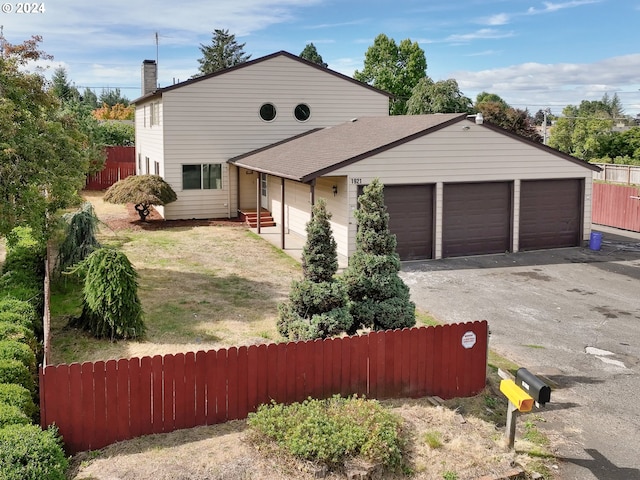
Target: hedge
x,y
18,396
14,350
12,415
18,333
13,371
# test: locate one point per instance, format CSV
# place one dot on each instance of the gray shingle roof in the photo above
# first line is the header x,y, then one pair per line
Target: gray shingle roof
x,y
321,151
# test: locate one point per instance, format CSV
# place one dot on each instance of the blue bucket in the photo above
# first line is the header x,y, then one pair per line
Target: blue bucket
x,y
595,241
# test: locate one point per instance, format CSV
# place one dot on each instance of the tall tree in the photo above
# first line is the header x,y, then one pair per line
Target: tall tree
x,y
223,52
495,110
318,304
379,298
113,97
61,87
44,154
394,68
443,96
311,54
89,98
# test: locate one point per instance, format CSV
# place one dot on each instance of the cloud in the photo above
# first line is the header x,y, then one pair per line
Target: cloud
x,y
554,7
496,20
484,33
557,85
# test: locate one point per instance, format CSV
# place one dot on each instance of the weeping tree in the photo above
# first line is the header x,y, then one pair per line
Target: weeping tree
x,y
318,304
143,191
379,298
111,307
80,236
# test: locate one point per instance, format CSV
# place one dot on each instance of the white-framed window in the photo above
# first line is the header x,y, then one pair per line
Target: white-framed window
x,y
207,176
156,168
154,114
146,164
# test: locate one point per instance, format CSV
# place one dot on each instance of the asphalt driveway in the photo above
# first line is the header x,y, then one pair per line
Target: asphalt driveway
x,y
570,315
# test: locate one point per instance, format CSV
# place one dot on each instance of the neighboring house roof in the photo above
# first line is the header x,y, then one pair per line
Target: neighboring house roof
x,y
321,151
160,91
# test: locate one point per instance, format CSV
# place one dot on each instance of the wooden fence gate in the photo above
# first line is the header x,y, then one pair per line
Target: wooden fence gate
x,y
616,206
96,404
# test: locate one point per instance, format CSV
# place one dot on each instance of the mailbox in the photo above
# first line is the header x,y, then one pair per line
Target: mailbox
x,y
536,388
516,395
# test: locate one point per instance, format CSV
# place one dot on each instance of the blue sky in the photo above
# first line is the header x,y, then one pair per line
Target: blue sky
x,y
534,54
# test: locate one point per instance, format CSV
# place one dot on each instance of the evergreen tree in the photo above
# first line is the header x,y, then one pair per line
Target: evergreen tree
x,y
61,87
379,298
311,54
318,304
224,52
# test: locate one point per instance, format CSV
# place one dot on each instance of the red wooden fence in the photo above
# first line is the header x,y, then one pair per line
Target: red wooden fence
x,y
616,206
120,163
95,404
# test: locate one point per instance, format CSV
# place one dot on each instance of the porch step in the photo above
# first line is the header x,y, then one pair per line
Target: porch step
x,y
250,217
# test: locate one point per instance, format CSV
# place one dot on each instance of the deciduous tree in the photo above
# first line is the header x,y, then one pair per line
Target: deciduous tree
x,y
393,68
223,52
379,298
143,191
44,154
443,96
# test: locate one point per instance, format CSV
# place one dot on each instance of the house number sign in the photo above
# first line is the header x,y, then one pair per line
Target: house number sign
x,y
356,181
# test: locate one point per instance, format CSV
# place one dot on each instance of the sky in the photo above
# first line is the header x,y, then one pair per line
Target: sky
x,y
534,54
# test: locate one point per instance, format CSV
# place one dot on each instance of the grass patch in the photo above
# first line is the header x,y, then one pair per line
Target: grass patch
x,y
535,346
425,318
433,438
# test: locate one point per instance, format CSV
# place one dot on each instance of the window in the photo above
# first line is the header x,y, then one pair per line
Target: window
x,y
156,168
202,177
268,112
139,163
146,164
154,114
302,112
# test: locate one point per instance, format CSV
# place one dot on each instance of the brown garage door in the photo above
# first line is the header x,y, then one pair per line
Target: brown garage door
x,y
476,218
550,213
410,209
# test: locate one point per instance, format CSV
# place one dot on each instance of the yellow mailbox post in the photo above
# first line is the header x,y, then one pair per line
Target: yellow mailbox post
x,y
519,401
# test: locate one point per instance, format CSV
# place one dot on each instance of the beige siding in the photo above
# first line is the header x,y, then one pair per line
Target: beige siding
x,y
456,155
216,119
149,140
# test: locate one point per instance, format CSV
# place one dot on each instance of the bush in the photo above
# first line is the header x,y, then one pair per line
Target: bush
x,y
331,431
29,453
21,307
18,333
13,371
80,237
16,319
111,307
18,396
13,350
12,415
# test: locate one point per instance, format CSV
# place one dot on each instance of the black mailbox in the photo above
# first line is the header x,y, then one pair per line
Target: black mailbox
x,y
536,388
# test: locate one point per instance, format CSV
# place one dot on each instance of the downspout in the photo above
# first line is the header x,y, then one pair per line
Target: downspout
x,y
312,194
259,186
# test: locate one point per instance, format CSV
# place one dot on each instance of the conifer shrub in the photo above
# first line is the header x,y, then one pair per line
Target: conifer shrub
x,y
80,239
18,396
378,297
29,453
111,307
318,305
331,431
13,371
14,350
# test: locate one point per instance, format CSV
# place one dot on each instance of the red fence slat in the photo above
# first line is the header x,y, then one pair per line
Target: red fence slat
x,y
95,404
616,206
119,164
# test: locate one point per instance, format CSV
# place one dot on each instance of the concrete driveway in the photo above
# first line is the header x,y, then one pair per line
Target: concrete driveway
x,y
571,315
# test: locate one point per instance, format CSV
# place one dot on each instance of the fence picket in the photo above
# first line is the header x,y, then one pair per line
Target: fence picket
x,y
95,404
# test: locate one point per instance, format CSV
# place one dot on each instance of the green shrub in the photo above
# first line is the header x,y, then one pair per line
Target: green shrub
x,y
12,415
21,307
29,453
13,371
16,319
18,333
80,237
18,396
111,307
331,431
13,350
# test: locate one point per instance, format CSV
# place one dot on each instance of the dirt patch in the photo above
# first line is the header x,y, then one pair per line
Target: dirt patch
x,y
470,448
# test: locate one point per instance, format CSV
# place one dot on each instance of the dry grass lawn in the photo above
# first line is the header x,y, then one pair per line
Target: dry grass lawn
x,y
211,286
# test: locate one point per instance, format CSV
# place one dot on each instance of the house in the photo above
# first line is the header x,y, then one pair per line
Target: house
x,y
282,132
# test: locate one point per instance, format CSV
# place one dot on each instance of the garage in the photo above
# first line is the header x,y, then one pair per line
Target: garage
x,y
476,218
410,209
550,213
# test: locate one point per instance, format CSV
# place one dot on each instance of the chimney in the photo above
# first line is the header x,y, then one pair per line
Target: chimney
x,y
149,76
